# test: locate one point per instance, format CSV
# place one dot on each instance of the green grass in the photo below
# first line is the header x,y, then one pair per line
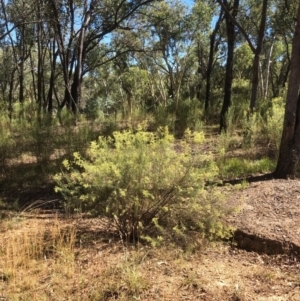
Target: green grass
x,y
237,168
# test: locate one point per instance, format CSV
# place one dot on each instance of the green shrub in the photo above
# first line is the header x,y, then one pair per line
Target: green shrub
x,y
162,117
187,115
236,167
146,183
42,138
7,143
265,129
271,129
92,109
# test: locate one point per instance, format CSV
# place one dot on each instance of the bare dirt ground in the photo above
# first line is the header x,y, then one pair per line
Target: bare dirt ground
x,y
270,218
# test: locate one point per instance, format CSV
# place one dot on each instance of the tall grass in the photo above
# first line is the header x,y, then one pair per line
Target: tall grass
x,y
26,250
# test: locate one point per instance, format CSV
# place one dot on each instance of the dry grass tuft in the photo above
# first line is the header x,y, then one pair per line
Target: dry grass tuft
x,y
29,248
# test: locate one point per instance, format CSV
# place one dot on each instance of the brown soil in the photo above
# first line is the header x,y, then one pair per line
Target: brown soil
x,y
270,218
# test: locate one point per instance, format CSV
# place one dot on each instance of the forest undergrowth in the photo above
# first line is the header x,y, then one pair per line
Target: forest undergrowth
x,y
120,211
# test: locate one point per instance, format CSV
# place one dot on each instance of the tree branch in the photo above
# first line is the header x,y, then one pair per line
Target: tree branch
x,y
238,25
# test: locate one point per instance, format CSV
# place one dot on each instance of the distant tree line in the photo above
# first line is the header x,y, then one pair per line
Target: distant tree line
x,y
147,54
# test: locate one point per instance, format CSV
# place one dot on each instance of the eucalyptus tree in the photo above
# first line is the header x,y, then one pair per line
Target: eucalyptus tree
x,y
289,153
282,28
157,84
7,25
231,10
214,42
255,40
268,27
79,27
7,76
280,65
16,14
25,34
172,41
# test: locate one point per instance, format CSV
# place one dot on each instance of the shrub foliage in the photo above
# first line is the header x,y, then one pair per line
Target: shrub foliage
x,y
150,185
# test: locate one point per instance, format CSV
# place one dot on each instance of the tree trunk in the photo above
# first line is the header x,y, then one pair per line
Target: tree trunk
x,y
211,59
21,86
10,95
256,50
53,57
40,64
255,68
21,68
266,88
255,80
33,75
229,64
289,153
129,100
75,88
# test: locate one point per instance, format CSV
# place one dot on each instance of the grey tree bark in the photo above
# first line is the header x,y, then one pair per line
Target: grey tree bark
x,y
289,153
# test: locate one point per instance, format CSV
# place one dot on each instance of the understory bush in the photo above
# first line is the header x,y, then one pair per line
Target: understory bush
x,y
149,185
265,129
187,115
7,143
162,117
271,129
